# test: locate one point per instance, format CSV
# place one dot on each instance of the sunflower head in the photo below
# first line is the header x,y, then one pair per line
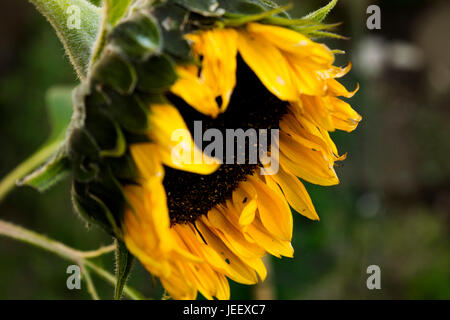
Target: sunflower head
x,y
193,215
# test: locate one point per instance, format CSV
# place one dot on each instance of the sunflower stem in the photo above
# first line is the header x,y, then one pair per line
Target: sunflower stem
x,y
80,257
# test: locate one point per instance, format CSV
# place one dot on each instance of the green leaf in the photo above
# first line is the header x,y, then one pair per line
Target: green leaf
x,y
156,74
236,20
320,14
76,23
208,8
113,11
107,133
241,7
124,263
137,38
116,72
101,201
120,147
325,34
128,111
251,7
171,18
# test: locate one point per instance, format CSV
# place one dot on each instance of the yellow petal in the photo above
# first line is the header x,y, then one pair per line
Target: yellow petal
x,y
236,268
306,79
343,116
147,160
296,194
192,90
218,49
273,210
246,204
232,236
293,42
175,144
268,64
310,165
337,89
271,244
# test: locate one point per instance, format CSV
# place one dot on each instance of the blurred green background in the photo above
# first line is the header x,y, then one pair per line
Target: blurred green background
x,y
392,208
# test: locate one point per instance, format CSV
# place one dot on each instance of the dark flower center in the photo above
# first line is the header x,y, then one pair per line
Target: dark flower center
x,y
192,195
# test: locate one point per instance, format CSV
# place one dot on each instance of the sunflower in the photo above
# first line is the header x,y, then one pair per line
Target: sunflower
x,y
157,72
194,226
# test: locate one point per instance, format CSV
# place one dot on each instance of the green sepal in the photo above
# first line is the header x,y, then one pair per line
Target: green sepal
x,y
124,168
320,14
137,38
113,11
309,29
177,47
172,20
116,72
87,209
91,209
241,7
237,20
207,8
101,201
107,133
128,111
156,74
124,263
120,147
325,34
83,153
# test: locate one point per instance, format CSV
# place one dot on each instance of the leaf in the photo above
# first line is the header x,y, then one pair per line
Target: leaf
x,y
241,7
57,167
208,8
137,38
325,34
171,18
76,23
236,20
128,111
320,14
107,133
156,74
113,11
101,201
114,71
124,263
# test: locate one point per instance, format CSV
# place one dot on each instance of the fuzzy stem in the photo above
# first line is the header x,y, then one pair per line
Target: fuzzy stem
x,y
21,234
90,284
